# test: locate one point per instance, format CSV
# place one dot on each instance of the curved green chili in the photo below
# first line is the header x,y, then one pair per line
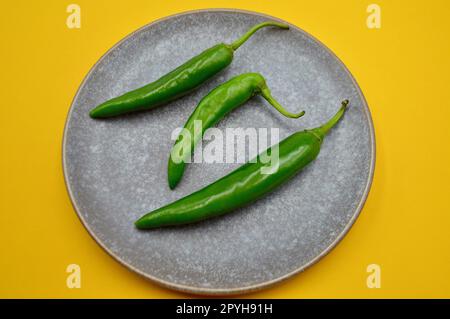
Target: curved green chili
x,y
245,184
178,82
211,109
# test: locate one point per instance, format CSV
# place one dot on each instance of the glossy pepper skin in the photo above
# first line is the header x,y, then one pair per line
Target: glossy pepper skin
x,y
178,82
211,109
244,185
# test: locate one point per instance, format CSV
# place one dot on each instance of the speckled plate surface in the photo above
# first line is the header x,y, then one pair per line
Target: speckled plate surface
x,y
115,169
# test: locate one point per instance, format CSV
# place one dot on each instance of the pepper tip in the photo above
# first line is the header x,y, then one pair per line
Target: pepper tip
x,y
172,183
138,224
92,113
300,114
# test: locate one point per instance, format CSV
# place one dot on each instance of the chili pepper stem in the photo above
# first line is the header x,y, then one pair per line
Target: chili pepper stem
x,y
236,44
269,98
323,130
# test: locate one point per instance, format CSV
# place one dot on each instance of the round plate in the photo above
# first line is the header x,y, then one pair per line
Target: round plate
x,y
116,169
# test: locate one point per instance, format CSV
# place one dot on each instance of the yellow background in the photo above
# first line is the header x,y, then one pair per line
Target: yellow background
x,y
402,68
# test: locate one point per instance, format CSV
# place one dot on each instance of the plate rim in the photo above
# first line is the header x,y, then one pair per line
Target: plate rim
x,y
243,289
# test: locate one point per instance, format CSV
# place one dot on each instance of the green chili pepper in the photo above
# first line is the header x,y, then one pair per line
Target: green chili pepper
x,y
245,184
180,81
211,109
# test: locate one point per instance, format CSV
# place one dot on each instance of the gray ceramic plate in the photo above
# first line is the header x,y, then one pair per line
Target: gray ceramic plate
x,y
115,169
